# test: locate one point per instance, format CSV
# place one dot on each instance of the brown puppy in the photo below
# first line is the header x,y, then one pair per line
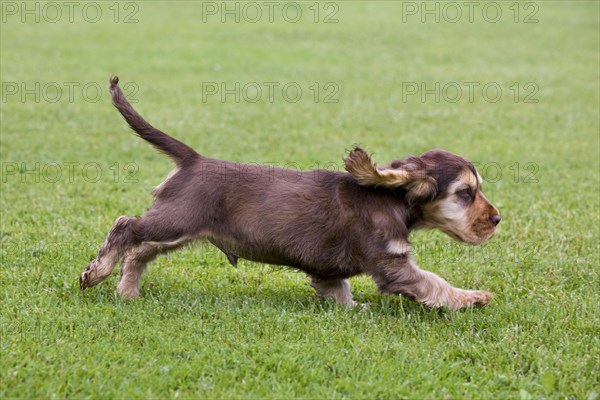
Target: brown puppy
x,y
331,225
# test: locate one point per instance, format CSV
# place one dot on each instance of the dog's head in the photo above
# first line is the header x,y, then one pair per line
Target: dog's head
x,y
444,186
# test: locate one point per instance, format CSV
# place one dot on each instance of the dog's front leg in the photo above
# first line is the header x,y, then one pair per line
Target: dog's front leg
x,y
401,275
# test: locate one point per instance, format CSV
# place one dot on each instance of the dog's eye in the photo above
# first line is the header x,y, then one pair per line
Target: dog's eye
x,y
465,194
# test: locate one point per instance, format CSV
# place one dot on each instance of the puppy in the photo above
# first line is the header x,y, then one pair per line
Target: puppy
x,y
331,225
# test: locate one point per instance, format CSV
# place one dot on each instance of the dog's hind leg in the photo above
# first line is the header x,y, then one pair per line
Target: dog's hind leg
x,y
132,268
135,262
121,238
339,289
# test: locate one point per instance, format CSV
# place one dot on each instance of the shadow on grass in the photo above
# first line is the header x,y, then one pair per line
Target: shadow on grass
x,y
295,298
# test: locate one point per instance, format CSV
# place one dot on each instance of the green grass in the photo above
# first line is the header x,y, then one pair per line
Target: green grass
x,y
205,329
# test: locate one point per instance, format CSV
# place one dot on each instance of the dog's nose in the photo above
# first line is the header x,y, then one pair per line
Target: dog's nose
x,y
495,219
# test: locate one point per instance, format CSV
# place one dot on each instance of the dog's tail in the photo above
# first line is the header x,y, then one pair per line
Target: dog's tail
x,y
180,152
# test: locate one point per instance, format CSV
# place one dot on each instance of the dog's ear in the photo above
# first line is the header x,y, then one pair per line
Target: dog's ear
x,y
361,167
410,173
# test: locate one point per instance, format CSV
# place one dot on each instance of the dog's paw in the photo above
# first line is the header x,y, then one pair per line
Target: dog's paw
x,y
93,274
86,279
481,298
128,291
471,298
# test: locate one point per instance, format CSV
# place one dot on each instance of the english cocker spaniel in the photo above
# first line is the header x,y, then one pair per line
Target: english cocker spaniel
x,y
331,225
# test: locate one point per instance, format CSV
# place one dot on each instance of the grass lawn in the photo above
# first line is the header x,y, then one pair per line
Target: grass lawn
x,y
520,99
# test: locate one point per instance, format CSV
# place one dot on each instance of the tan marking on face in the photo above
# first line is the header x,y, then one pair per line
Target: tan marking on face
x,y
465,180
465,222
479,179
470,180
